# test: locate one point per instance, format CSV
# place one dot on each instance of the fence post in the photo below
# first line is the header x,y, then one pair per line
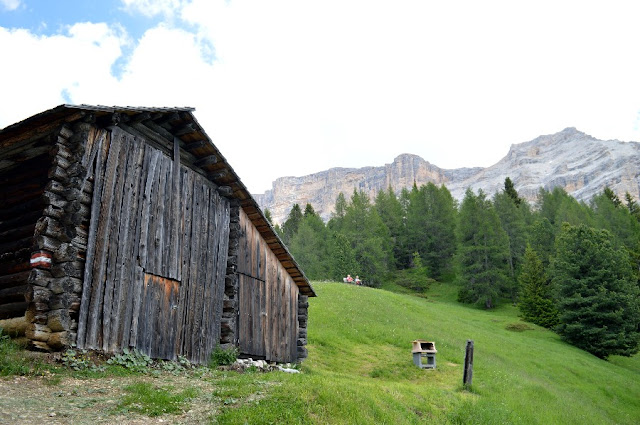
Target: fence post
x,y
468,365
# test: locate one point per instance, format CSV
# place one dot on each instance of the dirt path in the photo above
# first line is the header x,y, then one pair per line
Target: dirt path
x,y
52,399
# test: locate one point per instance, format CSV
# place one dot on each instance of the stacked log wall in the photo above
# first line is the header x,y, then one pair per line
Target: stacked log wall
x,y
229,325
61,235
21,205
303,316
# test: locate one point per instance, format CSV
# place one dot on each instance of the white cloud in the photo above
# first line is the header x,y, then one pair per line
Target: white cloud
x,y
296,87
10,4
44,68
153,7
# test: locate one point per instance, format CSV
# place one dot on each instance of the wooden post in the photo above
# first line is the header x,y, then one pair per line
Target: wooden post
x,y
468,365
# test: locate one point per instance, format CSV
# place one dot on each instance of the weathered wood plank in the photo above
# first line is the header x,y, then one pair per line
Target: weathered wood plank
x,y
176,201
196,233
146,216
97,280
126,246
132,320
183,297
115,221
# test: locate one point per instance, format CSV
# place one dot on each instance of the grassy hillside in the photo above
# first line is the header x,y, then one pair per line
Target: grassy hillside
x,y
359,371
360,368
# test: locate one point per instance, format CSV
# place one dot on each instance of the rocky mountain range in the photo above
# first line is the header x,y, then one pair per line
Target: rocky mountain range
x,y
573,160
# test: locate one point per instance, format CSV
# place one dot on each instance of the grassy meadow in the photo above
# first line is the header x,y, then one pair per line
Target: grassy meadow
x,y
360,368
360,371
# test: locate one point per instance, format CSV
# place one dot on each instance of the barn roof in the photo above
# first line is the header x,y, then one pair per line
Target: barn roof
x,y
159,126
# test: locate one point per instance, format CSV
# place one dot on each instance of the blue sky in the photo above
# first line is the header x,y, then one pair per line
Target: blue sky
x,y
47,17
308,85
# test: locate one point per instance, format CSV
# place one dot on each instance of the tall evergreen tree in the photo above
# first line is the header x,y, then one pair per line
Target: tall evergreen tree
x,y
342,258
310,246
510,190
542,238
482,251
431,221
369,238
598,298
513,222
536,303
560,207
390,211
632,206
267,215
290,226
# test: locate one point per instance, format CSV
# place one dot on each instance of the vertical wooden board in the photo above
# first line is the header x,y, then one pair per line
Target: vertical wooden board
x,y
102,237
142,228
176,202
145,215
111,283
136,307
91,245
244,262
282,334
143,318
186,215
167,249
203,275
243,317
269,283
196,231
209,310
159,250
126,244
132,300
294,321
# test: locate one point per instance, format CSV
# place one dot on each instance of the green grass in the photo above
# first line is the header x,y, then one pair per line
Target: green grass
x,y
360,368
360,371
147,399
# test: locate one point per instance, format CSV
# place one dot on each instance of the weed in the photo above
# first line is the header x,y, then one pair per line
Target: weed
x,y
222,357
134,361
80,360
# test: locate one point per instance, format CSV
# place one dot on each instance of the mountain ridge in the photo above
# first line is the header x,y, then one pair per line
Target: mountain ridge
x,y
571,159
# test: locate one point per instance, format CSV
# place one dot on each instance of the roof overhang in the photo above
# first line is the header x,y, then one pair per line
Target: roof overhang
x,y
161,126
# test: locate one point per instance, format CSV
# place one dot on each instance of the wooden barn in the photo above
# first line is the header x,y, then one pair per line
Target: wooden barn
x,y
124,227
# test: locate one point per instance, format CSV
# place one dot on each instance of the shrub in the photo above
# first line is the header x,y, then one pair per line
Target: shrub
x,y
223,357
132,360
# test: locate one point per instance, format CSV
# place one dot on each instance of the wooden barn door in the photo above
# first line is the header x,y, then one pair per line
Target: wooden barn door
x,y
267,298
156,256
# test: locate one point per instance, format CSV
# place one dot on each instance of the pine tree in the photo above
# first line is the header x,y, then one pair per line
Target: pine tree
x,y
369,238
542,238
290,226
267,215
510,190
598,298
632,206
310,246
513,222
431,221
482,251
390,211
536,303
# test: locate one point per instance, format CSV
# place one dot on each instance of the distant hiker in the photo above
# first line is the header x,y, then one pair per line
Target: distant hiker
x,y
348,279
358,281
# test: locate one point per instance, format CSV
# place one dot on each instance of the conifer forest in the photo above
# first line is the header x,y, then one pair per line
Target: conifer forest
x,y
570,266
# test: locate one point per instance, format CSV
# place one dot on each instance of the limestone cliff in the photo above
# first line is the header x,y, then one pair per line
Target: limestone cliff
x,y
579,163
